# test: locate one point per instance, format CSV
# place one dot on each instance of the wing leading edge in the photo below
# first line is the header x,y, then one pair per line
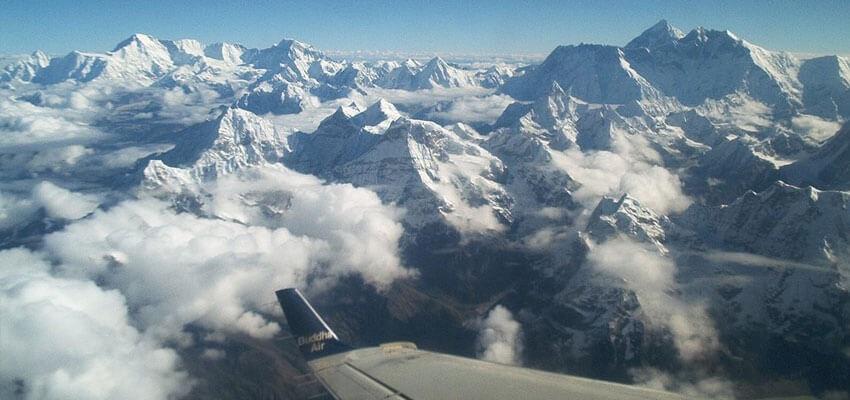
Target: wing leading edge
x,y
401,371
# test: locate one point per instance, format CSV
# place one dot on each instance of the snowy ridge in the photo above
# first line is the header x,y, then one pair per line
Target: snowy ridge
x,y
783,221
626,216
654,205
428,169
828,167
236,140
594,73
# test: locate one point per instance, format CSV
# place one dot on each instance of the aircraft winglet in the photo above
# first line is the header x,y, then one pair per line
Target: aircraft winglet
x,y
314,337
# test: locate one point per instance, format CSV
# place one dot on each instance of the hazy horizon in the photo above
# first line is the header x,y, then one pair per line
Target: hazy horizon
x,y
503,27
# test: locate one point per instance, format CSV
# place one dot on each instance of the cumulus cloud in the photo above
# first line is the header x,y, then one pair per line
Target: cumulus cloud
x,y
500,337
24,124
638,267
68,338
57,115
181,269
469,105
184,107
651,276
62,203
361,231
631,167
256,231
265,229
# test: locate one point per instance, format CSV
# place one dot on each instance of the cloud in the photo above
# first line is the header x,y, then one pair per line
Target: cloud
x,y
184,107
361,231
427,96
475,108
68,338
814,127
179,269
500,337
755,260
24,124
473,60
58,158
259,231
15,211
55,115
308,119
638,265
631,167
471,105
213,354
689,385
639,268
127,156
62,203
265,229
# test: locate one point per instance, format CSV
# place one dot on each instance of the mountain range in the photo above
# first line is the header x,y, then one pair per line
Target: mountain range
x,y
678,205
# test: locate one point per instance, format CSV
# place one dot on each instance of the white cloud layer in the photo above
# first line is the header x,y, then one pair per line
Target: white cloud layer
x,y
181,269
262,230
475,108
62,203
63,116
69,339
361,232
500,337
15,210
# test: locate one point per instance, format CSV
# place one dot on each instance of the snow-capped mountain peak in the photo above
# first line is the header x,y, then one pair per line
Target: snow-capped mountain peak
x,y
286,50
227,52
594,73
659,34
558,105
289,58
184,51
144,52
784,221
235,140
380,112
25,69
139,41
627,216
438,73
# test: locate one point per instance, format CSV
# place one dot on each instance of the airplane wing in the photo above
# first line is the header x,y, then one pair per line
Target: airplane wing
x,y
397,371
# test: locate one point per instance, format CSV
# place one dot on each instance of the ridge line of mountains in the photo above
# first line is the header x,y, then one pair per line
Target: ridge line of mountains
x,y
699,153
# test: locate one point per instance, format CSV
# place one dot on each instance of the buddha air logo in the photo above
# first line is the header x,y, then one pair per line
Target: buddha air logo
x,y
316,341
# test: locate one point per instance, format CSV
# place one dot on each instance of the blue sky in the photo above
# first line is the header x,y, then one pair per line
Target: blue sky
x,y
492,26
